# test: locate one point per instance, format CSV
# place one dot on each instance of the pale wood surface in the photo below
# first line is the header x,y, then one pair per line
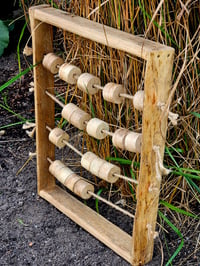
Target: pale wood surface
x,y
138,250
108,233
157,88
97,32
44,106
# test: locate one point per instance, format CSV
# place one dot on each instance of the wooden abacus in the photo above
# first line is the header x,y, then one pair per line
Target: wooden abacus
x,y
137,249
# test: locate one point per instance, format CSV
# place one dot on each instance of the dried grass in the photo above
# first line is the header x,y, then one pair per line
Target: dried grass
x,y
173,23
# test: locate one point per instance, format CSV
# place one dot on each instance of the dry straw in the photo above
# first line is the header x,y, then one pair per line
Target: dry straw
x,y
174,23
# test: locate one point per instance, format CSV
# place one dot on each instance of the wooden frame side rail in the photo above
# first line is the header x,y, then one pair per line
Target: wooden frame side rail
x,y
138,249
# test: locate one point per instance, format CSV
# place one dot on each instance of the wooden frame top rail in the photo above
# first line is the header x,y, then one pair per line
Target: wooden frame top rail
x,y
97,32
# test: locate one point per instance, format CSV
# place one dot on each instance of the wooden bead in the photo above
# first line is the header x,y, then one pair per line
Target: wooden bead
x,y
100,167
72,181
60,171
86,81
79,186
57,135
133,142
118,138
95,126
51,62
138,100
112,91
127,140
75,116
69,73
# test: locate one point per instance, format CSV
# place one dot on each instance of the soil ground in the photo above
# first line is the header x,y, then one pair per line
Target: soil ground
x,y
33,232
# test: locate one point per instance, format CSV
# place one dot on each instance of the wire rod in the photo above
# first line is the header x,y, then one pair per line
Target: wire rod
x,y
55,99
127,179
111,204
73,148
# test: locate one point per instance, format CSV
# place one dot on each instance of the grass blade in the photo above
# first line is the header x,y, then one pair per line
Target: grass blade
x,y
18,46
9,82
176,209
196,114
175,229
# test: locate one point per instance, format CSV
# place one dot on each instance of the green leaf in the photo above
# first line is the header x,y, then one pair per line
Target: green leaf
x,y
122,161
9,82
176,209
175,229
196,114
4,37
96,200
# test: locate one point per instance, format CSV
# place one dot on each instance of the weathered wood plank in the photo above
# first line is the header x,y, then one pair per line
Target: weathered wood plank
x,y
42,40
97,32
159,58
157,88
108,233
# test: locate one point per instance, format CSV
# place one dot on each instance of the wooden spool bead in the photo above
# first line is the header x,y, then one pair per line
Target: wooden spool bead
x,y
100,167
133,142
69,179
112,91
127,140
86,81
75,116
80,186
57,135
138,100
52,62
95,127
118,138
69,73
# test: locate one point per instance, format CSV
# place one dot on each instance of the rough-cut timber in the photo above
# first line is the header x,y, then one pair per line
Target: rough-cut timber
x,y
111,235
138,250
42,38
97,32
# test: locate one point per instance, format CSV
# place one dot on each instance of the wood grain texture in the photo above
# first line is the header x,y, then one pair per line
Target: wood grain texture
x,y
157,88
44,106
138,250
108,233
97,32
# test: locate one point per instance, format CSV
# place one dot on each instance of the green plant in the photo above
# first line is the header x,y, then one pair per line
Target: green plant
x,y
4,37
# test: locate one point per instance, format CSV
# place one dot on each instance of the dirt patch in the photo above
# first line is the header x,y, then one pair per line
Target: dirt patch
x,y
33,232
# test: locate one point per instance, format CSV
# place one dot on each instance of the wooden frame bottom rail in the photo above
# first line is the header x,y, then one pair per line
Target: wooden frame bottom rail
x,y
105,231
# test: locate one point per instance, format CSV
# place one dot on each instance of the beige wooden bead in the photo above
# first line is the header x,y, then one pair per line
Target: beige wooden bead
x,y
75,116
107,172
133,142
86,159
60,171
138,100
68,110
69,73
68,178
111,92
86,81
100,167
118,138
95,127
57,135
127,140
52,62
79,186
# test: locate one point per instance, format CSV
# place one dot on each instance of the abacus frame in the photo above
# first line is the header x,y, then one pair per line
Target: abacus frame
x,y
137,249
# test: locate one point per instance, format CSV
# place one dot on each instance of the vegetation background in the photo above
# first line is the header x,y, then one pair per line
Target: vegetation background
x,y
173,23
